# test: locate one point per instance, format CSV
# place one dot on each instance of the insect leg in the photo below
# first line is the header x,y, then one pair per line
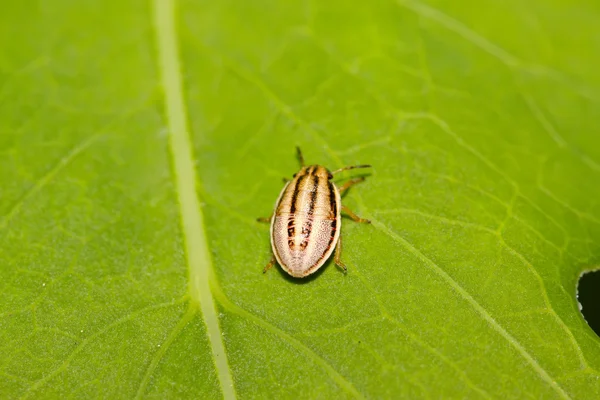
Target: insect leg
x,y
350,183
350,167
265,219
337,258
270,264
354,217
300,157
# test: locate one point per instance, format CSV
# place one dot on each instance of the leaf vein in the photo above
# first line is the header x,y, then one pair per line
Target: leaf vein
x,y
159,355
497,234
421,343
47,178
475,304
310,353
92,338
192,219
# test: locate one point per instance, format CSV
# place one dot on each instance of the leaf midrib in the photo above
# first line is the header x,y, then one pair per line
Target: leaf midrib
x,y
192,221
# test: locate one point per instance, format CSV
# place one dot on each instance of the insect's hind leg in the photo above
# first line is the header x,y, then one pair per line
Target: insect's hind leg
x,y
355,217
337,258
270,264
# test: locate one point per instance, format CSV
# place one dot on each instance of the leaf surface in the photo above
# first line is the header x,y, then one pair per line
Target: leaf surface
x,y
140,142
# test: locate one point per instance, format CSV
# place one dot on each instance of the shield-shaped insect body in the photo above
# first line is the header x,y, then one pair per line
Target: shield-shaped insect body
x,y
306,222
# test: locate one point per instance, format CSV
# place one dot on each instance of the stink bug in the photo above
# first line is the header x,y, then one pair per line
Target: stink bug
x,y
306,222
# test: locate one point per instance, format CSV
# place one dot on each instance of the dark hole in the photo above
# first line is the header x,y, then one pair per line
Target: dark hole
x,y
588,294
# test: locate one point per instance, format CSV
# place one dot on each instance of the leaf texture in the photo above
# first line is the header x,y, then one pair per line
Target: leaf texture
x,y
140,141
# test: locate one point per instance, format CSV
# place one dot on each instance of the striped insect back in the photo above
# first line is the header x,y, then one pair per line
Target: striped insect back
x,y
306,223
305,226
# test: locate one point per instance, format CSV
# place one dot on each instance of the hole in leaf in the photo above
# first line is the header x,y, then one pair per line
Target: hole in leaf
x,y
588,295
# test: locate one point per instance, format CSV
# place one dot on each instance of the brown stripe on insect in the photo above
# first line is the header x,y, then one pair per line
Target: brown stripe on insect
x,y
291,231
332,200
333,205
313,195
307,225
291,225
296,192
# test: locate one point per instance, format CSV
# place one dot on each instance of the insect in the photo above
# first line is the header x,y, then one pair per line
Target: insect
x,y
306,222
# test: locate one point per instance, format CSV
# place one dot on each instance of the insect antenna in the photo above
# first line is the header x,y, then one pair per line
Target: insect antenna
x,y
350,167
300,157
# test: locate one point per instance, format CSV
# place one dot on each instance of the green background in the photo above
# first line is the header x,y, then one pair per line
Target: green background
x,y
117,234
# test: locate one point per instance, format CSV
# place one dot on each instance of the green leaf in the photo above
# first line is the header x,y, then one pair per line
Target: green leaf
x,y
140,140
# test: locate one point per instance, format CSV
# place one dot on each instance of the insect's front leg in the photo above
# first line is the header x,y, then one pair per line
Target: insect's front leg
x,y
355,217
